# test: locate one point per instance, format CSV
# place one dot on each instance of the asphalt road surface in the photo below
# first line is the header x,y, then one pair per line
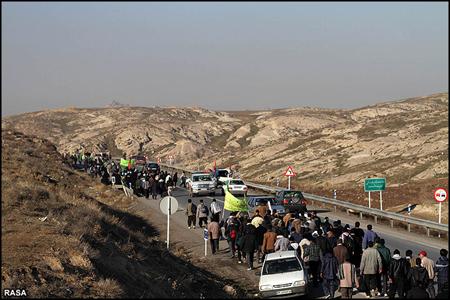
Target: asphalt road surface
x,y
395,238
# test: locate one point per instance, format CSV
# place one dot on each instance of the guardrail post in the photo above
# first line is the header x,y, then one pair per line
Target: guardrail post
x,y
375,219
360,215
348,211
409,227
335,208
428,231
392,223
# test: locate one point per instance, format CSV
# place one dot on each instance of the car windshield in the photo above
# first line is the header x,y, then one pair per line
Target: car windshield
x,y
237,182
263,201
293,195
202,178
222,173
283,265
153,165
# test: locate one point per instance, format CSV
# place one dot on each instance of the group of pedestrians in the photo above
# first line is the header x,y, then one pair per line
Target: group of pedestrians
x,y
336,256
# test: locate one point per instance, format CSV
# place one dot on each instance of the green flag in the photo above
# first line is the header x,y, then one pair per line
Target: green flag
x,y
234,204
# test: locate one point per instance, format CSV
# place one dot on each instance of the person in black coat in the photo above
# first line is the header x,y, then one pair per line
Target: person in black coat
x,y
249,243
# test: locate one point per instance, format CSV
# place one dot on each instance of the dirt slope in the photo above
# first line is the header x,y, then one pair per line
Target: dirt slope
x,y
63,235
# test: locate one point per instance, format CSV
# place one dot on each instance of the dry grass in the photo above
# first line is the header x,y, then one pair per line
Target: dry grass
x,y
64,235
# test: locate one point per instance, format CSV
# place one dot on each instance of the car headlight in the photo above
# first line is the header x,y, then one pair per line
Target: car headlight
x,y
299,283
265,287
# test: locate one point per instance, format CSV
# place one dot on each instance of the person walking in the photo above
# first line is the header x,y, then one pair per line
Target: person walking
x,y
202,214
397,275
328,272
282,243
419,282
183,180
371,265
314,254
441,270
340,252
191,210
153,187
369,235
215,209
347,279
428,264
175,179
231,232
269,240
213,230
249,244
358,236
382,278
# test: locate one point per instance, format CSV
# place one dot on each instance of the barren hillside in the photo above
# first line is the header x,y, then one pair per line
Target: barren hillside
x,y
405,141
66,236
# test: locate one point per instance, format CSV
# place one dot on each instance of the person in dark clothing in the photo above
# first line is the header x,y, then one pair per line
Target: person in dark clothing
x,y
153,186
175,179
296,236
260,230
358,235
397,275
441,269
328,272
323,242
419,275
419,282
249,243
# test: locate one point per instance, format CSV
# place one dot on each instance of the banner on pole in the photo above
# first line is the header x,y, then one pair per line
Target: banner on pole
x,y
233,203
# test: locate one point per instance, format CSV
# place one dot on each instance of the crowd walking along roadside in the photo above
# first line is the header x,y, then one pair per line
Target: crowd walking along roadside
x,y
338,258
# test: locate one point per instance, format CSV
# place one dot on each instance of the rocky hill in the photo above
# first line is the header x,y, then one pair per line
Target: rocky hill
x,y
405,141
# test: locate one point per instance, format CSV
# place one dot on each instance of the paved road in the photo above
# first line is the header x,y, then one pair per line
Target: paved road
x,y
394,238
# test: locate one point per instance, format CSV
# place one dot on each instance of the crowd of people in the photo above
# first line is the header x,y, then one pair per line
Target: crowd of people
x,y
336,256
138,177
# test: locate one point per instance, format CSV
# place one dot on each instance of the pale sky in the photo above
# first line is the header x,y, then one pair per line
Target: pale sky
x,y
221,56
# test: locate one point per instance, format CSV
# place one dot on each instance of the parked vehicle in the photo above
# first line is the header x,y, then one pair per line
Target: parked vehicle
x,y
235,187
269,200
201,183
153,167
292,200
222,175
283,274
139,159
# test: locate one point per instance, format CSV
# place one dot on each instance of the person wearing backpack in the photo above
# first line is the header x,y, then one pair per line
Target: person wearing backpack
x,y
202,214
382,278
231,231
191,210
397,274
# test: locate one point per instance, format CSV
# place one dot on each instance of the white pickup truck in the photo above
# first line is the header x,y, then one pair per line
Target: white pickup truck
x,y
201,183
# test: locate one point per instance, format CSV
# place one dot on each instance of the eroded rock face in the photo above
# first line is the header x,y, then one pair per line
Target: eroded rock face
x,y
405,140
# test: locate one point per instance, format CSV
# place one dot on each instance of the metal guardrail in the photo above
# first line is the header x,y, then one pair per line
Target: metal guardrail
x,y
376,213
364,210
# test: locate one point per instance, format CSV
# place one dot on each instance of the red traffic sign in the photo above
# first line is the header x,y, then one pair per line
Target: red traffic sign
x,y
289,172
440,194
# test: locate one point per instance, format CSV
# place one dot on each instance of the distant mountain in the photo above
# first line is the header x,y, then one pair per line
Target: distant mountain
x,y
404,141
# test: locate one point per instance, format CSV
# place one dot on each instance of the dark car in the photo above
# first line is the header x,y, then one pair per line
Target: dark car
x,y
292,200
139,159
153,167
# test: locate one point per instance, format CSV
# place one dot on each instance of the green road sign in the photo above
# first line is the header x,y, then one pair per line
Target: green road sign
x,y
374,184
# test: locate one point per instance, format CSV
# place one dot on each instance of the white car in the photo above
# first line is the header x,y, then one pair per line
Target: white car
x,y
235,187
201,183
283,274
